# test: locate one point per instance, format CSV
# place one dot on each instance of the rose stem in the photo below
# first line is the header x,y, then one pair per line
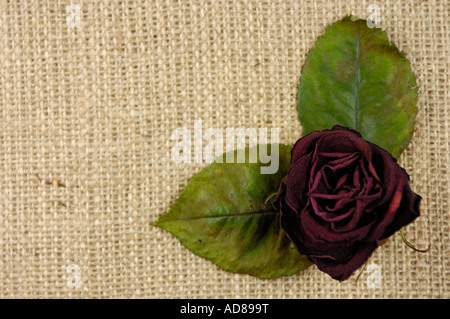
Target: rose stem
x,y
362,270
407,243
268,198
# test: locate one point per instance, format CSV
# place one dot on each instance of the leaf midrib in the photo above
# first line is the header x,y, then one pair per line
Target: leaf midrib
x,y
358,78
260,212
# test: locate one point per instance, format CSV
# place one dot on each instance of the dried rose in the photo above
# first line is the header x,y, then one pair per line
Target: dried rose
x,y
342,197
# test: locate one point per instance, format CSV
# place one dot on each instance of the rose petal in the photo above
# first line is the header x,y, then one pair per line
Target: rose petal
x,y
330,216
297,183
338,185
388,172
387,215
327,176
341,271
406,213
339,205
344,141
304,145
310,246
316,228
344,128
355,220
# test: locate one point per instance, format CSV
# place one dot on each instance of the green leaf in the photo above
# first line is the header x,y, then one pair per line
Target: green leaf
x,y
356,78
222,216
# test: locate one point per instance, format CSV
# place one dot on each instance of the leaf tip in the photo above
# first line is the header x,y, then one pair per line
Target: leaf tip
x,y
155,224
159,222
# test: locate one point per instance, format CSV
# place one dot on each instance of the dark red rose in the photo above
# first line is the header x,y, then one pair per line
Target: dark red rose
x,y
342,197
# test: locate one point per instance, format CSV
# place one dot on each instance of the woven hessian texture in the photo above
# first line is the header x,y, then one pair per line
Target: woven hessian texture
x,y
90,93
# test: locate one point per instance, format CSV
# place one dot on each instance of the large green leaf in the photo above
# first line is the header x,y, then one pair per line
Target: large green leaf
x,y
222,216
355,77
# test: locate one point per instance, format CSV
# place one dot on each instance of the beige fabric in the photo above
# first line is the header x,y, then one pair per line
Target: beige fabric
x,y
87,108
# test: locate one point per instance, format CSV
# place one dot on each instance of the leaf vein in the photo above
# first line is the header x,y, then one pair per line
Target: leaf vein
x,y
261,212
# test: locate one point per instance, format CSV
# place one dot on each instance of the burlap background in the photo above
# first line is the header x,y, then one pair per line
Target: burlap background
x,y
87,109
